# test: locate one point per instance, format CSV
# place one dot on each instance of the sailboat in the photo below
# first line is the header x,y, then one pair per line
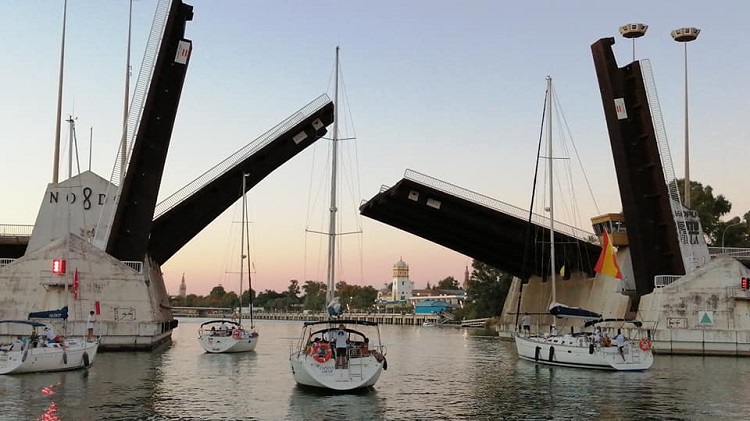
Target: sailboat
x,y
592,350
42,350
225,336
337,354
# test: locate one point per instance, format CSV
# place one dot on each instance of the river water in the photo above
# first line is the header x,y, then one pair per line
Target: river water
x,y
434,373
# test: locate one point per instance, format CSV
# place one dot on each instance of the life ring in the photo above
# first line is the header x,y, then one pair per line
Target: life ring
x,y
644,344
237,334
325,355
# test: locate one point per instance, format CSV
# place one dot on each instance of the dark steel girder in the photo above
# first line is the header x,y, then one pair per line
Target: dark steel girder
x,y
652,234
485,234
131,225
172,230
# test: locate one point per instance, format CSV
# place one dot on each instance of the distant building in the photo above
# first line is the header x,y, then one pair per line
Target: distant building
x,y
432,307
466,278
402,290
183,287
401,286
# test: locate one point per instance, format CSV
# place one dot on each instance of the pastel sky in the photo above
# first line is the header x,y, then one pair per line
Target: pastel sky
x,y
452,89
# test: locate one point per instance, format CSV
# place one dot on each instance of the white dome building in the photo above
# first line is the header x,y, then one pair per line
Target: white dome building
x,y
401,286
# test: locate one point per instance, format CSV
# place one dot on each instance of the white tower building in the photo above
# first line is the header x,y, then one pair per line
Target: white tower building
x,y
401,286
183,288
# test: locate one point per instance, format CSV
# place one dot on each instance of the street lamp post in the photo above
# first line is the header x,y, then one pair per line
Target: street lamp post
x,y
725,231
685,35
633,31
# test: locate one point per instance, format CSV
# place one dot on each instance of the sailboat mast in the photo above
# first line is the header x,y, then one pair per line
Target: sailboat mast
x,y
56,162
242,243
124,141
551,192
247,250
334,169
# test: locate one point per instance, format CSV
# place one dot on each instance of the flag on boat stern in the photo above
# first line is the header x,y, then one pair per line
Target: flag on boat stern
x,y
607,263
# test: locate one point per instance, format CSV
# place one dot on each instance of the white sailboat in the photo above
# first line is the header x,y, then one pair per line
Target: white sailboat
x,y
335,354
225,336
582,349
31,353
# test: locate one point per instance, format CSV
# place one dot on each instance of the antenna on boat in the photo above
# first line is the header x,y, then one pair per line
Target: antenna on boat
x,y
72,145
91,142
56,163
124,141
334,169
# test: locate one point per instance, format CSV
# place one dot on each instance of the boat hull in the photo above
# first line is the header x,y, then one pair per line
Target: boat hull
x,y
579,352
228,344
360,373
77,354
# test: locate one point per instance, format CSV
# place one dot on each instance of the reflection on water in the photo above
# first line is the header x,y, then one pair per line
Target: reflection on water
x,y
434,373
306,404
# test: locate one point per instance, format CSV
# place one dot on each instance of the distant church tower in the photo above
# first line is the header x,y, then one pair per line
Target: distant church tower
x,y
466,278
401,287
183,287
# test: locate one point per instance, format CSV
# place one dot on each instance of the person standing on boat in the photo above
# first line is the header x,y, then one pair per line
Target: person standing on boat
x,y
526,323
90,326
341,347
620,342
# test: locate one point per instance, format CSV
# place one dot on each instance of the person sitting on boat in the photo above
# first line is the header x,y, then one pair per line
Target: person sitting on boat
x,y
52,336
553,331
605,340
223,330
342,344
620,342
598,335
34,338
17,344
213,331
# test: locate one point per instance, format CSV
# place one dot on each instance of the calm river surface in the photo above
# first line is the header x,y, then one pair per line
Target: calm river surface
x,y
433,374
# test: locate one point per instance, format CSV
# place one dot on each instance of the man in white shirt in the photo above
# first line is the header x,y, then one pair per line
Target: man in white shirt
x,y
620,343
341,346
90,326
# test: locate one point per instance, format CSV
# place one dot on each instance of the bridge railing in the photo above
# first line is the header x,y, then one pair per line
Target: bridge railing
x,y
735,252
660,281
13,230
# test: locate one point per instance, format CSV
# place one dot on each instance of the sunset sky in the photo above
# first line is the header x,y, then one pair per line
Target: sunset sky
x,y
451,89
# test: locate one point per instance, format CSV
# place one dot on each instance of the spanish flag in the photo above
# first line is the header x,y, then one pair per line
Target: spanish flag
x,y
607,264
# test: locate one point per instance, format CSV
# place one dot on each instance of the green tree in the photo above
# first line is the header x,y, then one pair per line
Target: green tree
x,y
315,295
230,300
486,291
270,299
293,288
710,209
710,212
449,283
356,296
248,296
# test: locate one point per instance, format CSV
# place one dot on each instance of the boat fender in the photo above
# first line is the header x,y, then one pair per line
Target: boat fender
x,y
644,344
85,359
321,352
65,358
591,348
551,352
25,354
536,353
385,364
